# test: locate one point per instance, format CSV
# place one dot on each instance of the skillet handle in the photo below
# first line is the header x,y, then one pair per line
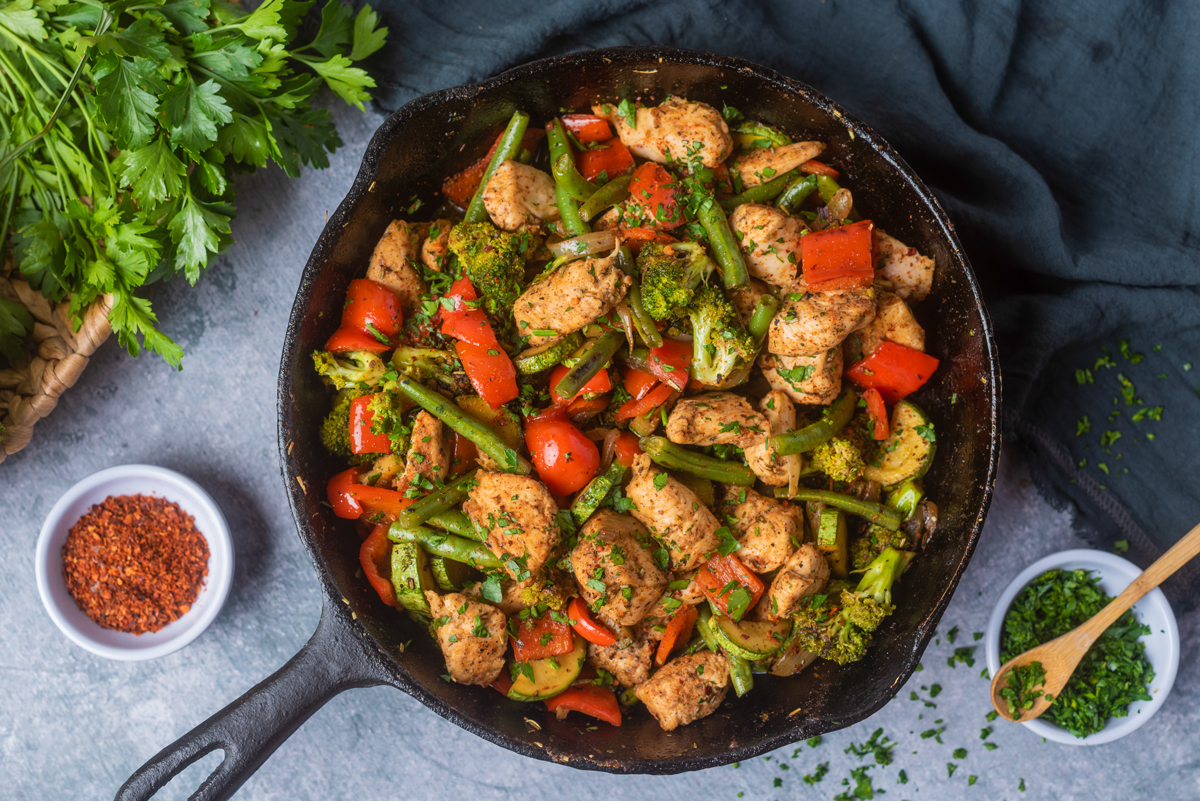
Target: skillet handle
x,y
249,730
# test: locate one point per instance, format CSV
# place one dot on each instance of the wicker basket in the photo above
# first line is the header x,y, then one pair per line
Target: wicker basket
x,y
29,389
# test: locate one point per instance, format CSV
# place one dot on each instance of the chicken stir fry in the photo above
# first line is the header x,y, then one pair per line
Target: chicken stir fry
x,y
626,416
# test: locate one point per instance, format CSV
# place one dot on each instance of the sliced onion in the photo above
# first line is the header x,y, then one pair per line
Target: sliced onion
x,y
609,451
597,434
795,464
792,662
586,245
840,204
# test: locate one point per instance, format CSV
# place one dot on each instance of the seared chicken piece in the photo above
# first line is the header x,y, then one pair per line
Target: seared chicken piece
x,y
436,248
894,321
517,512
555,589
384,470
519,195
763,526
470,658
806,379
393,262
770,467
673,514
803,574
630,665
810,323
770,241
677,127
911,273
573,296
765,163
686,689
428,456
716,418
616,552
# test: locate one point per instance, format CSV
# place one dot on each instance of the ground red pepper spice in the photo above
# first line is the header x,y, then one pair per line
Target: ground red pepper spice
x,y
135,563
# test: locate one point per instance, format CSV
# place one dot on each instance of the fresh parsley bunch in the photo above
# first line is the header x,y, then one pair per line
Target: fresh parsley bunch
x,y
122,123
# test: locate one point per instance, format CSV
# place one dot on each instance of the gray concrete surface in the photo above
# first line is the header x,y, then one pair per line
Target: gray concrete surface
x,y
75,725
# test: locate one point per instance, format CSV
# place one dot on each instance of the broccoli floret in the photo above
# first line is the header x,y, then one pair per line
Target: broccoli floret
x,y
494,261
840,458
426,364
837,625
866,548
356,368
387,411
670,275
335,431
721,346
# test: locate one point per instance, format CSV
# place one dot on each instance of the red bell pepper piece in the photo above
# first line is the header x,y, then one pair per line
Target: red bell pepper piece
x,y
612,159
460,187
724,578
338,490
636,408
503,683
653,189
362,439
583,409
628,448
465,455
588,699
877,411
678,632
638,383
894,370
587,127
370,304
375,558
465,323
585,626
670,363
814,167
839,258
596,385
347,339
491,372
635,238
351,500
540,637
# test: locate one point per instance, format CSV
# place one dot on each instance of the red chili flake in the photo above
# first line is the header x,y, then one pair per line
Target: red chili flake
x,y
135,563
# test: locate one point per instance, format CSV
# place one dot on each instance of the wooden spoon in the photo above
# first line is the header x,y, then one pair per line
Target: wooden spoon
x,y
1061,655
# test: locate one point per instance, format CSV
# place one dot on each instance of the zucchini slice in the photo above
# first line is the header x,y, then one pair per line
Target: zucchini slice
x,y
411,576
551,675
448,574
548,354
591,496
501,420
908,451
833,541
753,640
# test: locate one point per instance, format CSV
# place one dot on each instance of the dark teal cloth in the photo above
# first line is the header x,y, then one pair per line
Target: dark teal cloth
x,y
1062,139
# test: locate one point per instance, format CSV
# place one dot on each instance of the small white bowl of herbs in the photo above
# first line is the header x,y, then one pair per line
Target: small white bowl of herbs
x,y
1128,672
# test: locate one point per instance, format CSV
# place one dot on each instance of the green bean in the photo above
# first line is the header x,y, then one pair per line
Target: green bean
x,y
524,155
479,432
763,193
562,165
673,457
568,211
507,148
638,359
628,696
760,319
726,251
704,627
642,321
592,362
605,197
448,546
696,645
828,188
876,513
435,503
797,191
456,522
904,498
740,675
833,420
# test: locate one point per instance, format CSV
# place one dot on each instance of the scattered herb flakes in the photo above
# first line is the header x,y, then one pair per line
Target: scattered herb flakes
x,y
817,775
950,768
813,742
1020,690
1021,786
1120,546
971,780
965,655
951,635
877,744
1082,426
778,782
902,778
959,753
934,690
1084,377
992,715
984,732
990,746
977,636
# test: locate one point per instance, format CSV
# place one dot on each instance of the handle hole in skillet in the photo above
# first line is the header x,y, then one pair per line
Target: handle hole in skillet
x,y
188,780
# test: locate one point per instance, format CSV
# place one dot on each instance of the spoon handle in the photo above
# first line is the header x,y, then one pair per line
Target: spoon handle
x,y
1179,554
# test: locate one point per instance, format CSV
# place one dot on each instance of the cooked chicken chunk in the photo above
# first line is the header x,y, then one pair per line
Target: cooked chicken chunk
x,y
810,323
555,590
803,574
575,295
384,471
393,262
770,241
428,456
806,379
716,418
894,321
470,657
617,551
630,665
765,163
673,514
436,248
764,528
911,273
770,467
686,689
677,128
517,512
519,195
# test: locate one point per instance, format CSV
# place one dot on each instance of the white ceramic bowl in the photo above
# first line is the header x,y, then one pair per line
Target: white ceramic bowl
x,y
133,479
1162,643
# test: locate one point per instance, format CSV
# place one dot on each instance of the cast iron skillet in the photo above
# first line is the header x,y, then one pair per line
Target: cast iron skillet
x,y
359,641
